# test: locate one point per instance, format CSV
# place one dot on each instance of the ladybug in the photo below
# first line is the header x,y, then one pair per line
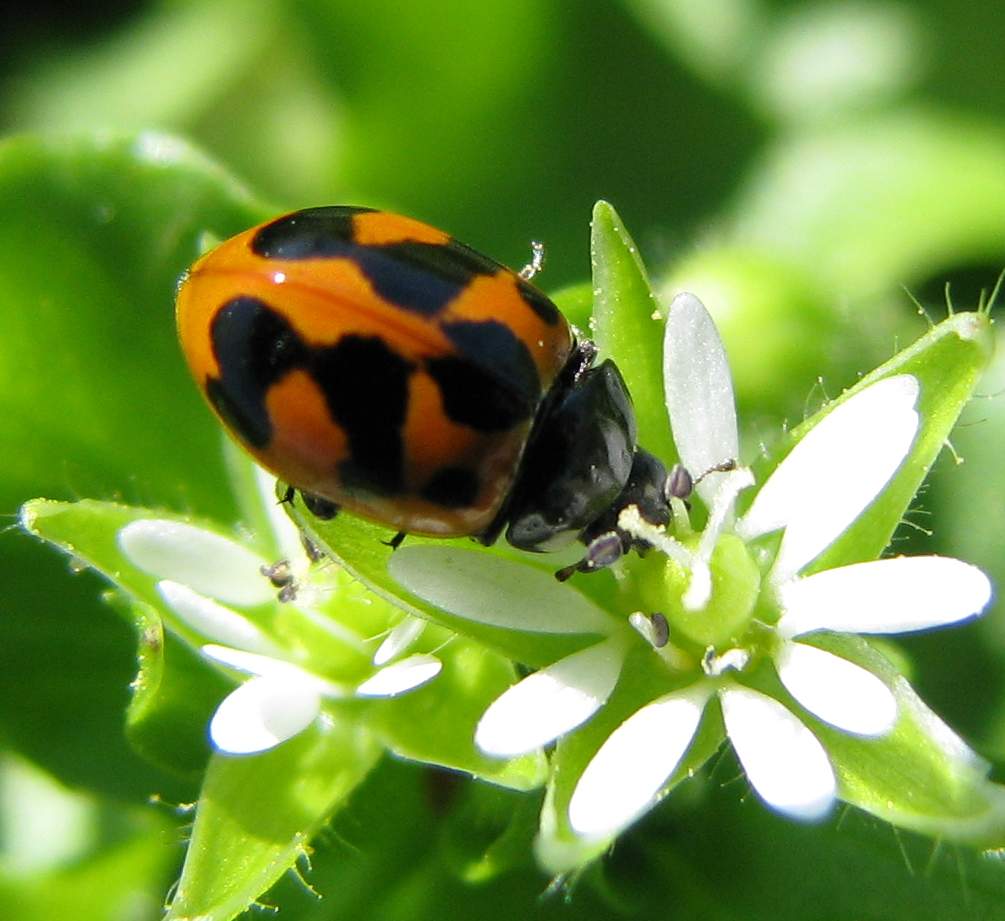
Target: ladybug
x,y
378,365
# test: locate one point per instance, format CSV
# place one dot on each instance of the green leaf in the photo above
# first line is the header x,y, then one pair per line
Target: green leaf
x,y
178,66
174,696
882,50
711,39
169,66
628,325
948,363
870,204
257,814
78,662
95,400
919,776
113,224
175,692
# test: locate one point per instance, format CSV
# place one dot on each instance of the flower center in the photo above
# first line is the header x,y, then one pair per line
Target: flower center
x,y
735,585
728,597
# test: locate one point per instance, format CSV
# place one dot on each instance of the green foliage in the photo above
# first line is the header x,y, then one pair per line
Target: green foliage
x,y
794,200
626,325
257,815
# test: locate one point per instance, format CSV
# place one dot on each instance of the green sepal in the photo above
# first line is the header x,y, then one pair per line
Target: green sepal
x,y
947,362
627,325
921,775
258,813
173,697
435,724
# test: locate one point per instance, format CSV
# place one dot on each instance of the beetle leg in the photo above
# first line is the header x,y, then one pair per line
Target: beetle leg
x,y
395,542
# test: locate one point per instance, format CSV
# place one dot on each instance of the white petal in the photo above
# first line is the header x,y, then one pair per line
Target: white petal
x,y
213,620
836,690
403,634
497,592
699,392
403,676
206,562
633,764
784,762
550,702
896,595
268,667
838,468
262,713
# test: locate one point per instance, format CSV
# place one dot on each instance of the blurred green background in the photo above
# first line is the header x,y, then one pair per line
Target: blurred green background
x,y
794,164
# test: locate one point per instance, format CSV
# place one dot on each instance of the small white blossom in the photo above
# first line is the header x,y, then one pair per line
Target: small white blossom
x,y
282,699
818,490
826,482
203,577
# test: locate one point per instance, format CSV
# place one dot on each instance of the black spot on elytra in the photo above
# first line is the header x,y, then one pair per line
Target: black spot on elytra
x,y
313,233
421,277
254,347
537,302
492,384
365,385
452,487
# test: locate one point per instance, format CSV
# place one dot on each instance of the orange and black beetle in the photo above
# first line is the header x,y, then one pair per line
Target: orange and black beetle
x,y
377,364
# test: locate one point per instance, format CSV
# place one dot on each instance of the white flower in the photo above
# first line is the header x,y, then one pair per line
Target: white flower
x,y
826,482
282,699
202,577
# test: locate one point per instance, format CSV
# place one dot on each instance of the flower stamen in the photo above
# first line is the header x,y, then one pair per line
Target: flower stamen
x,y
631,520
